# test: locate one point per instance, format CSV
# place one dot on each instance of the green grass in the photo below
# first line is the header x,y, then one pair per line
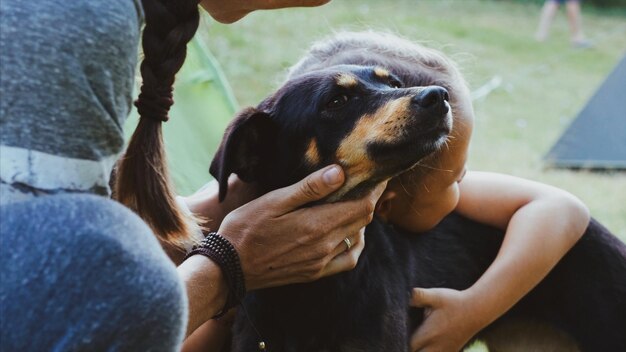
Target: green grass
x,y
544,85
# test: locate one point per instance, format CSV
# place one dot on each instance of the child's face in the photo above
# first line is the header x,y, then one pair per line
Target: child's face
x,y
421,197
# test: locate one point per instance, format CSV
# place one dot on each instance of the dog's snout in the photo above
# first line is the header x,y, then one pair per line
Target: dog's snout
x,y
433,96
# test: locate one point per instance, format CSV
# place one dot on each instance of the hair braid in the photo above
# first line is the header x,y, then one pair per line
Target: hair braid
x,y
143,182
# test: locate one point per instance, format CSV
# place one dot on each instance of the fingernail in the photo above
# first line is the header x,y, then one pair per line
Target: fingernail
x,y
332,176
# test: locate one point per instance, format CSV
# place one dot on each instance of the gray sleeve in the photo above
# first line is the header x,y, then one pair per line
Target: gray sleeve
x,y
68,69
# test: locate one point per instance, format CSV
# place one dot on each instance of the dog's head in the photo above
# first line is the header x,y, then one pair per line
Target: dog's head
x,y
360,117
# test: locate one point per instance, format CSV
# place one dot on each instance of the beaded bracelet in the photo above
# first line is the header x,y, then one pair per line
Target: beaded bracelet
x,y
224,254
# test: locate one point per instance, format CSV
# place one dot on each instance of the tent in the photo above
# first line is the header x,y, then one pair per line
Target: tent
x,y
596,139
204,104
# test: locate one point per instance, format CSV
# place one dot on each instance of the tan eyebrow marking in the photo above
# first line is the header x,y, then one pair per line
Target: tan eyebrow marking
x,y
312,154
346,80
381,72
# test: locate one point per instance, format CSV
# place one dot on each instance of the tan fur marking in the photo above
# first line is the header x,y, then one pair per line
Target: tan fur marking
x,y
312,153
384,125
381,72
522,336
389,120
346,80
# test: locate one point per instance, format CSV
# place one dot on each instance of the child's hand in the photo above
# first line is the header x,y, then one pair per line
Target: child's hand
x,y
451,319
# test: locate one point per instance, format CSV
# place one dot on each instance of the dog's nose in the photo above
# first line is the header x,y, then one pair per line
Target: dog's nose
x,y
432,96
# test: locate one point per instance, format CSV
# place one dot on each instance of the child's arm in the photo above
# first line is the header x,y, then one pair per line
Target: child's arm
x,y
542,223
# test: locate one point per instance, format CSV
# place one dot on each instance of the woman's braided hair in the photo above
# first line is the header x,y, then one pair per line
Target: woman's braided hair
x,y
142,181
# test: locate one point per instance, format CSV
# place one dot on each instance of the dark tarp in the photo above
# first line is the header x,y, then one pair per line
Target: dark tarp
x,y
596,139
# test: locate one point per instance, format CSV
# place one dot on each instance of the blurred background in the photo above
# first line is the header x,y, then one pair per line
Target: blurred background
x,y
527,92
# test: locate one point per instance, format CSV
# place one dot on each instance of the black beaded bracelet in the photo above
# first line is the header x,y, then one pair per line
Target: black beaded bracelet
x,y
224,254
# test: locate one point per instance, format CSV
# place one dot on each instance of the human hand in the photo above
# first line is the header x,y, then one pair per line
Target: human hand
x,y
450,320
281,242
229,11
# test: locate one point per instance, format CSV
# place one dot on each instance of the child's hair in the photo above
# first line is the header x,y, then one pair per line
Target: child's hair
x,y
142,180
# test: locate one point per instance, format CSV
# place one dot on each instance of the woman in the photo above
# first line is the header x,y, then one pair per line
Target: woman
x,y
79,270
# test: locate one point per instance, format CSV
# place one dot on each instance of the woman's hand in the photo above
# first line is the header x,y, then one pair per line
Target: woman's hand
x,y
450,320
229,11
281,242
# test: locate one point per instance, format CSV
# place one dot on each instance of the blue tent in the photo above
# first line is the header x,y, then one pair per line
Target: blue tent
x,y
596,139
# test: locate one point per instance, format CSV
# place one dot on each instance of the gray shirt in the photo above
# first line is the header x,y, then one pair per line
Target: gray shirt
x,y
67,73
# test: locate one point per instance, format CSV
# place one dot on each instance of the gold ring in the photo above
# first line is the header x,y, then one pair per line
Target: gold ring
x,y
348,243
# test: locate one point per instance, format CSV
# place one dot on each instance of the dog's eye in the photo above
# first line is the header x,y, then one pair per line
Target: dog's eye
x,y
337,101
394,83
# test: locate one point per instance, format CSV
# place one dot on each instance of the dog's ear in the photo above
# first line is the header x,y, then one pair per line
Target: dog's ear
x,y
247,147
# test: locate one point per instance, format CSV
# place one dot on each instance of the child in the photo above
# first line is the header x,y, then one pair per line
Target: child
x,y
542,222
548,11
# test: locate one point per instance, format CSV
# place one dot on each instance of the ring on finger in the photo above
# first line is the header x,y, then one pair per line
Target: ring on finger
x,y
348,243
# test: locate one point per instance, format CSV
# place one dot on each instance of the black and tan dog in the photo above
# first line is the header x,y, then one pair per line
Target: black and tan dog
x,y
362,118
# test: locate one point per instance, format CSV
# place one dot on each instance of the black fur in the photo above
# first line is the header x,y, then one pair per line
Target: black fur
x,y
366,309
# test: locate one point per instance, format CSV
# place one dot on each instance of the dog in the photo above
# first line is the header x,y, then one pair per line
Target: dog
x,y
363,117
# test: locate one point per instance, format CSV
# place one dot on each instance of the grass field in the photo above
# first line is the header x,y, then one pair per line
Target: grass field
x,y
543,87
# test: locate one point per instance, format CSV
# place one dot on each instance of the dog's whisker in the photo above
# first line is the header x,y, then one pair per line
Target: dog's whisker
x,y
445,145
415,210
404,188
411,205
434,168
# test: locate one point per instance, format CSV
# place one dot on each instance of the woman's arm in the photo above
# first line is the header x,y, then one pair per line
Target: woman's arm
x,y
206,289
229,11
542,223
205,204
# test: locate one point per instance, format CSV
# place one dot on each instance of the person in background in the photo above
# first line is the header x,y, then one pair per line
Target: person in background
x,y
574,17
